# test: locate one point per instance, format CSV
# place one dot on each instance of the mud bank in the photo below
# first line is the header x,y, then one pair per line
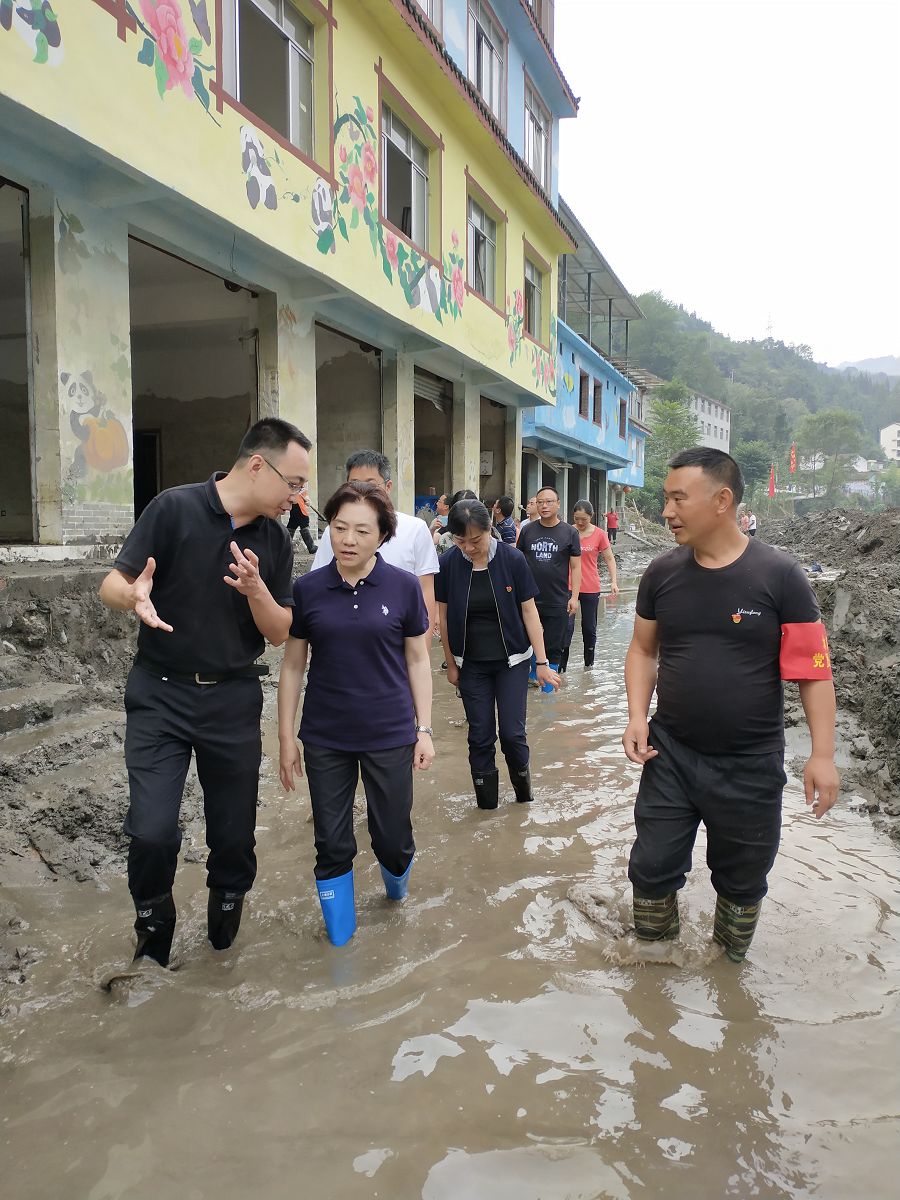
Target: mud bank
x,y
860,601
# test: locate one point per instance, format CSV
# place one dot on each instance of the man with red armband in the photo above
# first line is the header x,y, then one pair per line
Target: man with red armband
x,y
720,621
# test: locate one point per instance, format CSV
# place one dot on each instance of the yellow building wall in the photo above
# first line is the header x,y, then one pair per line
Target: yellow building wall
x,y
145,90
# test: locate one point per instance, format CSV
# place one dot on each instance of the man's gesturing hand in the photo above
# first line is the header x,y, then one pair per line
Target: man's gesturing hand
x,y
820,783
245,568
143,606
635,740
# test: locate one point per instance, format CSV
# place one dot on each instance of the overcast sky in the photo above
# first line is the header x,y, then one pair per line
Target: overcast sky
x,y
743,158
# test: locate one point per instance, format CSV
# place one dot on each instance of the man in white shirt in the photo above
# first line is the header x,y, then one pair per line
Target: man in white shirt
x,y
411,548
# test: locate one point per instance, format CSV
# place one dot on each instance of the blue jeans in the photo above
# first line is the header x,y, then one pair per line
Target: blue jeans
x,y
492,693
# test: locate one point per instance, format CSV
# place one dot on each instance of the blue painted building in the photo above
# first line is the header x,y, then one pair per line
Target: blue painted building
x,y
591,445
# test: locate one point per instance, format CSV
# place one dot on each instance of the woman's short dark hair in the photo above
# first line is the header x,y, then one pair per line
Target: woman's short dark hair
x,y
584,506
370,493
462,494
465,513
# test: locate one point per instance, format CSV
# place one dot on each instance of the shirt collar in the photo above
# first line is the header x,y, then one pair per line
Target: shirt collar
x,y
374,577
215,501
492,550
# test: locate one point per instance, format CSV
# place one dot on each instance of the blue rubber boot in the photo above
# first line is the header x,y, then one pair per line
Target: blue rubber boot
x,y
532,670
338,907
396,886
548,687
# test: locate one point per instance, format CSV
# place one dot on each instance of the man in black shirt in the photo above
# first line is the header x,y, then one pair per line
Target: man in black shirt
x,y
721,621
218,562
553,550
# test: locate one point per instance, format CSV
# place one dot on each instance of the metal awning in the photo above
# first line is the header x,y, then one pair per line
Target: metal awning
x,y
590,292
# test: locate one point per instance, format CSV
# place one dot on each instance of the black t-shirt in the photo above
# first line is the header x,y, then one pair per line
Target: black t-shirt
x,y
548,551
188,532
484,641
719,685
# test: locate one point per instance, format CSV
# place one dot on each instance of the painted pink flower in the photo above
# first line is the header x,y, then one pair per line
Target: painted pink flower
x,y
459,288
454,238
510,338
342,154
369,163
390,245
370,114
520,303
167,26
357,187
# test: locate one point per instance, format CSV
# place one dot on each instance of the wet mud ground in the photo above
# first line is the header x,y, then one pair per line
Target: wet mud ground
x,y
486,1039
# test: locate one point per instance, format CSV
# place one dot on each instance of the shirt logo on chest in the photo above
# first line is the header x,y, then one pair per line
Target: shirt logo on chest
x,y
738,616
385,609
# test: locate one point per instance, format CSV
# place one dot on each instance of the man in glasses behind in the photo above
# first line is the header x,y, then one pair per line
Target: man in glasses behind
x,y
218,563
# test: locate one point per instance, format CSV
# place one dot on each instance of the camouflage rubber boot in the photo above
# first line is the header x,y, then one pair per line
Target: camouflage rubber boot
x,y
734,927
656,920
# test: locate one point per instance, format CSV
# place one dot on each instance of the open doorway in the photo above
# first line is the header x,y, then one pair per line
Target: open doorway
x,y
16,424
193,370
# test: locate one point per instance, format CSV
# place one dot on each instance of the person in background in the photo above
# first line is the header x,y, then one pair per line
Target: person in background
x,y
445,541
299,519
744,523
612,525
721,621
218,562
411,549
489,626
439,524
503,519
552,549
594,543
752,523
367,707
530,514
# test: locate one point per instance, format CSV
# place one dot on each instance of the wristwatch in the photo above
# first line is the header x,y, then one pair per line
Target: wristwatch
x,y
545,663
425,729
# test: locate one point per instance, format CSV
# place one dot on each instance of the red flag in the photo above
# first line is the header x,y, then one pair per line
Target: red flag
x,y
793,457
772,480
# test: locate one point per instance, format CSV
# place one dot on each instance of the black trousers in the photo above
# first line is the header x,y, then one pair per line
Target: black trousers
x,y
738,799
555,622
387,777
612,534
489,688
300,520
589,603
165,721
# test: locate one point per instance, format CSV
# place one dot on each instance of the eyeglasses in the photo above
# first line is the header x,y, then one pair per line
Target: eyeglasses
x,y
295,487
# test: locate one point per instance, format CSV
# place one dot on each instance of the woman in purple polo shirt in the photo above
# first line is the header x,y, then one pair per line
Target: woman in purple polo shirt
x,y
367,706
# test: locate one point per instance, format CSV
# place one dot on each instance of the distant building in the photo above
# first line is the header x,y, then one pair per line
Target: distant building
x,y
713,421
889,437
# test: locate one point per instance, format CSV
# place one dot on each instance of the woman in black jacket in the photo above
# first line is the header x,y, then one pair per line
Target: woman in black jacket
x,y
489,627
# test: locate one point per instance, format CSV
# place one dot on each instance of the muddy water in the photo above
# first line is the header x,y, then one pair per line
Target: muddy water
x,y
486,1039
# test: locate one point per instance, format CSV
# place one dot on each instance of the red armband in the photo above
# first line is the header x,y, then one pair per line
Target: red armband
x,y
804,651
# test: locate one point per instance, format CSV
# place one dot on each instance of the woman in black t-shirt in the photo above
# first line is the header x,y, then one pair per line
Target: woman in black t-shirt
x,y
489,624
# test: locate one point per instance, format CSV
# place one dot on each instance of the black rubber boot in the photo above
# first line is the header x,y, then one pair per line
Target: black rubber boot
x,y
487,788
520,777
734,926
155,928
564,661
589,656
307,540
656,920
223,917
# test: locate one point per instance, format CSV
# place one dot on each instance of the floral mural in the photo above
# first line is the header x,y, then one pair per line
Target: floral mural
x,y
37,25
170,51
542,362
353,204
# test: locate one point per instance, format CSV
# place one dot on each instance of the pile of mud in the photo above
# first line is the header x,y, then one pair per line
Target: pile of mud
x,y
861,609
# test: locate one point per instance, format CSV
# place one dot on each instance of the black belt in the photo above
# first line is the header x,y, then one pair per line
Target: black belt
x,y
203,677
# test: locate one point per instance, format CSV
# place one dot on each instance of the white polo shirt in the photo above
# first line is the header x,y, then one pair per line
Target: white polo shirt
x,y
411,548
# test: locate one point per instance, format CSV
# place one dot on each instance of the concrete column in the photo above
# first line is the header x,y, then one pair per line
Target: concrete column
x,y
287,368
581,484
81,354
466,436
562,486
513,483
398,417
532,475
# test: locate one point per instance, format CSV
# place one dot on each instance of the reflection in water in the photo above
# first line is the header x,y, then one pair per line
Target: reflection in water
x,y
491,1037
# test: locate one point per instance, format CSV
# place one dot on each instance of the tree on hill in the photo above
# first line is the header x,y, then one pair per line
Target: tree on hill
x,y
674,428
755,460
836,436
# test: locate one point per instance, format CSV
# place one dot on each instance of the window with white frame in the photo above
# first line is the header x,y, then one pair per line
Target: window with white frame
x,y
404,179
432,10
481,248
537,135
268,61
533,286
486,47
